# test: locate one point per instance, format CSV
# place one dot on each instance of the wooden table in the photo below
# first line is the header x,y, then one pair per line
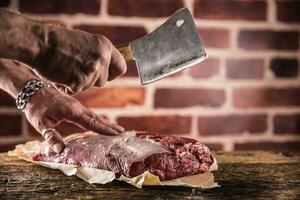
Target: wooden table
x,y
242,175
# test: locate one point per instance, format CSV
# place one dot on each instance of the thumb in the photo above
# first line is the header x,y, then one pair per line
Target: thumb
x,y
53,138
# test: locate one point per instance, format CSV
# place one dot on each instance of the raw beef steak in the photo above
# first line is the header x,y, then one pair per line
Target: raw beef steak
x,y
133,153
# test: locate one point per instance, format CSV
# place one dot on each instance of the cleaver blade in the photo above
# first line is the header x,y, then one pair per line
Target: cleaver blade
x,y
174,46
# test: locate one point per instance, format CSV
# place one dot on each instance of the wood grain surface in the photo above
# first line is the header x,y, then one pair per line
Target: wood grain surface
x,y
242,175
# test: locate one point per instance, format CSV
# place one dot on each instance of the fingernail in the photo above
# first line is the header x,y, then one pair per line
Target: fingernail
x,y
121,129
58,148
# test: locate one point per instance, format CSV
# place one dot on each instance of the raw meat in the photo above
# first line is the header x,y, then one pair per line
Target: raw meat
x,y
133,153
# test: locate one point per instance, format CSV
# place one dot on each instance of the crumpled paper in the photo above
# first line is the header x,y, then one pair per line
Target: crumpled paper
x,y
99,176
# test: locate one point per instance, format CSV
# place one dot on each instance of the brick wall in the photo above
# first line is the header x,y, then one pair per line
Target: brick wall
x,y
246,95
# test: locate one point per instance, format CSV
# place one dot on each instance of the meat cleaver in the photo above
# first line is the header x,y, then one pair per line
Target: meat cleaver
x,y
172,47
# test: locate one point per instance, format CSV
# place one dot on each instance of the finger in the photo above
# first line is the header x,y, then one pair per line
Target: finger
x,y
54,139
100,83
103,75
111,124
92,82
98,126
92,122
77,87
117,65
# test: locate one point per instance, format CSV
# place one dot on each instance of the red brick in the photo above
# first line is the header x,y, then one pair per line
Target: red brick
x,y
287,124
111,97
144,8
10,124
215,38
284,67
288,11
268,40
268,146
117,34
206,69
176,98
266,97
57,6
6,100
4,3
157,124
245,69
231,124
231,9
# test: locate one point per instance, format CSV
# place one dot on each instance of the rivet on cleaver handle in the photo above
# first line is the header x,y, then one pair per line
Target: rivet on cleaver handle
x,y
172,47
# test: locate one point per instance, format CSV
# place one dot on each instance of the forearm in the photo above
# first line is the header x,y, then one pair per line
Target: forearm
x,y
20,37
13,76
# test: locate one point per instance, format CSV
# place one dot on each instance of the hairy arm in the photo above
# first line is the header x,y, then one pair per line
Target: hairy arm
x,y
20,37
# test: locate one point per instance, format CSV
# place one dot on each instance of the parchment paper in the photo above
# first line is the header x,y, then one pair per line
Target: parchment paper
x,y
92,175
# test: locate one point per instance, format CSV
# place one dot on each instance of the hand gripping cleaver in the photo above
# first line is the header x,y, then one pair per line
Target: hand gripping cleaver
x,y
172,47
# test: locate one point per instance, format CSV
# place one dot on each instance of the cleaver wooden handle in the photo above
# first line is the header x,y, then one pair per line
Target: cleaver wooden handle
x,y
125,50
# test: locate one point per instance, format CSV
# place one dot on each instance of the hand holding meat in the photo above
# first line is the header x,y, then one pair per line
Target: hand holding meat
x,y
48,106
